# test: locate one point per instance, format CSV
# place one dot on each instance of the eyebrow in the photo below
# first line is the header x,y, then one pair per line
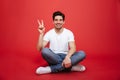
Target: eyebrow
x,y
58,19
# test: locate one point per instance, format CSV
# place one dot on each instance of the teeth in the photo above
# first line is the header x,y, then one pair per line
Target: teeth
x,y
58,24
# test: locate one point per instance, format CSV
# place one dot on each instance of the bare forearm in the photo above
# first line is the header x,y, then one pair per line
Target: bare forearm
x,y
71,52
67,61
40,42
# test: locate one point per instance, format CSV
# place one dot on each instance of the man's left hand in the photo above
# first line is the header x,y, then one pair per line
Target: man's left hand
x,y
66,62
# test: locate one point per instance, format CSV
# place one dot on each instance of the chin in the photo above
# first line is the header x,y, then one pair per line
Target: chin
x,y
58,27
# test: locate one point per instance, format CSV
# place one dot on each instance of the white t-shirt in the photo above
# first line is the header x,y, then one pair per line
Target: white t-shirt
x,y
59,42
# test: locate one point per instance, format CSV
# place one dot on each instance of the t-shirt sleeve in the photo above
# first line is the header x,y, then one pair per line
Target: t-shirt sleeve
x,y
71,37
46,37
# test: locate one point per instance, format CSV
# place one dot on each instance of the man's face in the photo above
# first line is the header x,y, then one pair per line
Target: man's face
x,y
58,22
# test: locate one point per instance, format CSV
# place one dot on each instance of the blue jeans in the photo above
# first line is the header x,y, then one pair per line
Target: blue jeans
x,y
55,60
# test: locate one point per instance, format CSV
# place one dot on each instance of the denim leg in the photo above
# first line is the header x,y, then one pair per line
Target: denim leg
x,y
54,60
50,56
77,57
58,67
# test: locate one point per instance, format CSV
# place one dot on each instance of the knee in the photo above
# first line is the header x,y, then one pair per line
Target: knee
x,y
82,54
45,51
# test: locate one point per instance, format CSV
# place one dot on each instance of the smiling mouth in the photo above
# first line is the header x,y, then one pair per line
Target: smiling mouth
x,y
58,24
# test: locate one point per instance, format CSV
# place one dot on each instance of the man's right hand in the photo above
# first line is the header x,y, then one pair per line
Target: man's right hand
x,y
41,27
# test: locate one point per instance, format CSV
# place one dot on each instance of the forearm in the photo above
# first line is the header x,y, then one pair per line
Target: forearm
x,y
40,42
67,61
71,52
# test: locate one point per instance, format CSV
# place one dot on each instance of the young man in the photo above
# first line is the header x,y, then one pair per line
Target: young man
x,y
61,54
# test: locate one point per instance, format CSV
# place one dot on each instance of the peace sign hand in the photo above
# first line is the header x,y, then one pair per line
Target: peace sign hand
x,y
41,27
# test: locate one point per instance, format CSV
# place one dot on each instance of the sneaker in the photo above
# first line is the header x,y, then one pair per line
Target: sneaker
x,y
80,68
43,70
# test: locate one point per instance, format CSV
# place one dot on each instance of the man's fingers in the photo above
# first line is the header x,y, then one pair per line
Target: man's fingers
x,y
42,23
63,64
38,22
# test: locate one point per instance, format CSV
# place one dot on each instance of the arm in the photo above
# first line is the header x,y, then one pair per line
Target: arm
x,y
67,61
41,43
72,49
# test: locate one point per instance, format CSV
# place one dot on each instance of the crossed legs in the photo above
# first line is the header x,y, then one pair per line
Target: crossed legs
x,y
55,60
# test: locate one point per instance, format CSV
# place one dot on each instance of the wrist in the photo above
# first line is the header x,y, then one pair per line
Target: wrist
x,y
41,34
67,56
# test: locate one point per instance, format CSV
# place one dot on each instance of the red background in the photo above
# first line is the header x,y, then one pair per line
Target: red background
x,y
95,24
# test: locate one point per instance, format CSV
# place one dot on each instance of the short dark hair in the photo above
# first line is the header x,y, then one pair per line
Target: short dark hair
x,y
58,13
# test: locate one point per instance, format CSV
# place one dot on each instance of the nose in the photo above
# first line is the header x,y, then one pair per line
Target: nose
x,y
58,21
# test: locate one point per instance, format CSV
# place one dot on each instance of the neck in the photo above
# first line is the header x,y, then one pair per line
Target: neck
x,y
58,31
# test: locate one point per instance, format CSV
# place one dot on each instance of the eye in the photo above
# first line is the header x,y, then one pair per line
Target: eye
x,y
61,19
55,19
